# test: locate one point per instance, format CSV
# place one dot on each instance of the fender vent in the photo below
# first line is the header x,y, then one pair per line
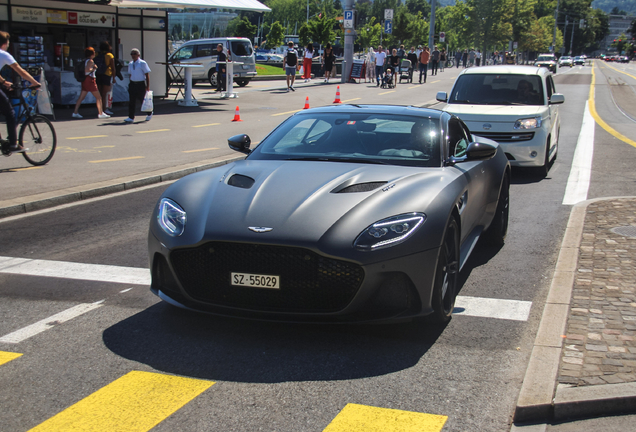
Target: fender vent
x,y
362,187
241,181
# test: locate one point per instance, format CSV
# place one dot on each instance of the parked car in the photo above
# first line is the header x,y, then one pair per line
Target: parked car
x,y
341,214
578,60
623,59
565,61
204,51
517,106
547,61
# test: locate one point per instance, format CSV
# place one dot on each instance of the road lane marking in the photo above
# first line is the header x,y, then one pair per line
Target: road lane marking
x,y
18,169
152,131
50,322
350,100
433,82
87,137
620,71
117,160
392,91
200,150
515,310
206,125
78,271
288,112
361,418
136,402
581,172
104,147
6,357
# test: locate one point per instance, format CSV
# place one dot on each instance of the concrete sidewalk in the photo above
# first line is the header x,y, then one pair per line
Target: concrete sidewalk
x,y
583,363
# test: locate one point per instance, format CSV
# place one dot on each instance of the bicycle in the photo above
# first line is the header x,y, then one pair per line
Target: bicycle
x,y
36,134
450,62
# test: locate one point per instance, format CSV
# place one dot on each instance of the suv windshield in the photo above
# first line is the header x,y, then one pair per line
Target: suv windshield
x,y
350,137
241,48
491,89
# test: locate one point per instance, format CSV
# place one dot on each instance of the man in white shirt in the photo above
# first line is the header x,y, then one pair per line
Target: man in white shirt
x,y
478,58
380,56
139,84
5,105
291,61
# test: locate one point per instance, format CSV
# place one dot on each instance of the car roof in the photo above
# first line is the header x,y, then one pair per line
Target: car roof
x,y
505,70
208,40
377,109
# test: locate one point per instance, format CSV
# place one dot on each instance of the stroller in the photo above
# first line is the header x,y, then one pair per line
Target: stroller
x,y
406,71
387,80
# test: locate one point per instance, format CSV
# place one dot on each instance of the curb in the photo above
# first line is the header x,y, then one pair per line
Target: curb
x,y
541,399
19,206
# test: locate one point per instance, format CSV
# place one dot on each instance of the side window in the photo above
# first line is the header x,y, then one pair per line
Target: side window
x,y
457,138
549,86
205,50
184,53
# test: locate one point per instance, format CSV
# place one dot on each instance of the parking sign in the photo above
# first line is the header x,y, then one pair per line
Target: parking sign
x,y
348,19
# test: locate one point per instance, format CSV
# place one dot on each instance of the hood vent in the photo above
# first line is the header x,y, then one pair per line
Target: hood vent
x,y
361,187
241,181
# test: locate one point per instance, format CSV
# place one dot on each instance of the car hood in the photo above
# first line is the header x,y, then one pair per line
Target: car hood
x,y
300,201
494,113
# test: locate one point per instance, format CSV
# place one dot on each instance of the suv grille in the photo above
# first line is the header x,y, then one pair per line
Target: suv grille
x,y
308,282
506,136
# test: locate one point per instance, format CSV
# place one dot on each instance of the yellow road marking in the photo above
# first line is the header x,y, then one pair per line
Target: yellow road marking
x,y
6,357
620,71
350,100
288,112
433,82
392,91
20,169
105,147
136,402
362,418
117,160
86,137
205,125
151,131
200,150
599,120
414,87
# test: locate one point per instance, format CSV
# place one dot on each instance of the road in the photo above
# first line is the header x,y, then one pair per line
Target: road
x,y
131,358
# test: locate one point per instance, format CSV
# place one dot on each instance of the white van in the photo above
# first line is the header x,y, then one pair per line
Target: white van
x,y
204,51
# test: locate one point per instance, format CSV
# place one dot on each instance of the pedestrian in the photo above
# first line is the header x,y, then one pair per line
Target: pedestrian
x,y
6,108
105,73
401,53
291,61
495,57
327,60
478,58
465,58
139,84
370,71
458,58
89,85
412,57
380,56
442,59
394,61
434,60
425,56
221,64
471,57
307,60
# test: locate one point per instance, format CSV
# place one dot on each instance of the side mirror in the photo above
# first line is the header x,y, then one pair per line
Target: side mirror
x,y
557,98
480,151
240,143
442,96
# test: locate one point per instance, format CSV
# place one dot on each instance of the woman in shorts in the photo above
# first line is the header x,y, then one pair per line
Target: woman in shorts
x,y
89,85
105,80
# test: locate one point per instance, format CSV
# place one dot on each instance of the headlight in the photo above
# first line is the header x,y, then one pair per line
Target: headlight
x,y
389,232
528,123
171,217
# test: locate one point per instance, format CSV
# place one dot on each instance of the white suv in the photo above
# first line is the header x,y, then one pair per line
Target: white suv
x,y
517,106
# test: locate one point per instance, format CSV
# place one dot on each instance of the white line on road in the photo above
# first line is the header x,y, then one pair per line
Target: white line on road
x,y
515,310
581,171
47,323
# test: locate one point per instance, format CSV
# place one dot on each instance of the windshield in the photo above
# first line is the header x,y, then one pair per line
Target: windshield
x,y
491,89
242,48
360,138
546,58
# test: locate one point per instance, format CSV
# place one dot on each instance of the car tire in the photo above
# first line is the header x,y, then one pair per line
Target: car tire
x,y
545,168
242,83
496,233
446,275
212,78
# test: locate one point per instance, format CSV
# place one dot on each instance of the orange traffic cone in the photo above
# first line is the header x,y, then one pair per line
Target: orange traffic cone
x,y
237,115
337,96
306,103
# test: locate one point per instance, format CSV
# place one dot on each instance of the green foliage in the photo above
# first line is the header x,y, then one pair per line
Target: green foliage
x,y
276,35
369,34
320,29
241,27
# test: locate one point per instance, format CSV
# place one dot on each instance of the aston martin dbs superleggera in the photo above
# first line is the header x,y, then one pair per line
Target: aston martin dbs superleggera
x,y
341,214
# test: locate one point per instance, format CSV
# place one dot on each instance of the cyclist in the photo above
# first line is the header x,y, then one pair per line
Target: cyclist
x,y
5,105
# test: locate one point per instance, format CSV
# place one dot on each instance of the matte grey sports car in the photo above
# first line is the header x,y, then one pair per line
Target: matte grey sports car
x,y
344,213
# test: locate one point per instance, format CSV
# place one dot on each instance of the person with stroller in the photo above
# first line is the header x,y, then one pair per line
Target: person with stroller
x,y
412,57
387,79
380,57
394,61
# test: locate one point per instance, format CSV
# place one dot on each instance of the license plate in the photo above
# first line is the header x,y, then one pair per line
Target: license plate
x,y
255,281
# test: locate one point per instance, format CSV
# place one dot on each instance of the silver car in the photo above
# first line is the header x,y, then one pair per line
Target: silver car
x,y
517,106
204,51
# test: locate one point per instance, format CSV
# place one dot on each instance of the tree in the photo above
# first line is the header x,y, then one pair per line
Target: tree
x,y
276,35
241,27
369,34
321,29
415,6
620,43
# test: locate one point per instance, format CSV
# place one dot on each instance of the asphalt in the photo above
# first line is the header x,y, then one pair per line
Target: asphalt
x,y
583,363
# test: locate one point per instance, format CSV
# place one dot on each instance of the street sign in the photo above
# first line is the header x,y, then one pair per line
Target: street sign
x,y
388,26
388,14
442,36
348,19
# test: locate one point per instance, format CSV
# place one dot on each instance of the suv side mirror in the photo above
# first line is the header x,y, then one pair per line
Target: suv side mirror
x,y
442,96
240,143
557,98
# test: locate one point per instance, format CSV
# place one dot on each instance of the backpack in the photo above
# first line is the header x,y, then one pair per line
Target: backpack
x,y
80,74
100,62
119,65
292,58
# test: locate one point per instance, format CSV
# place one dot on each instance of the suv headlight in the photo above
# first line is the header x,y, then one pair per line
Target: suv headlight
x,y
171,217
390,231
528,123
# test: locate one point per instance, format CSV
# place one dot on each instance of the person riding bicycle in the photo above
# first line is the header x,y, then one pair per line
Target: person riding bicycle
x,y
5,105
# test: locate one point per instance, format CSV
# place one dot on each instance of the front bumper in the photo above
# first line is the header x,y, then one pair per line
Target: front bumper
x,y
314,287
523,148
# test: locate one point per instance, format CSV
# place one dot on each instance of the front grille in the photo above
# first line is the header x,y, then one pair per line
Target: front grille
x,y
506,136
308,282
